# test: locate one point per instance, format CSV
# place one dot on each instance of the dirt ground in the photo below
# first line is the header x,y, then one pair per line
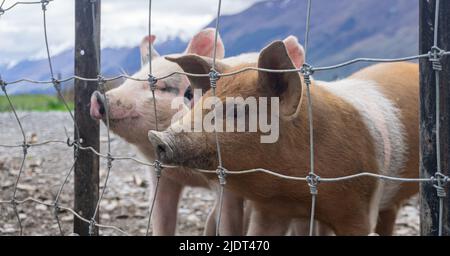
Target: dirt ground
x,y
125,204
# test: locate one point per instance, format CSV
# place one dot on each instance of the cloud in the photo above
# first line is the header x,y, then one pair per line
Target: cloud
x,y
124,23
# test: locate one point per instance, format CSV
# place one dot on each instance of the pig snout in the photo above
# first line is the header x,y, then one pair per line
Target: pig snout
x,y
162,146
97,105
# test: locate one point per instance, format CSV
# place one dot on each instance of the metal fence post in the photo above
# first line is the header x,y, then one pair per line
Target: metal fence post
x,y
429,201
87,166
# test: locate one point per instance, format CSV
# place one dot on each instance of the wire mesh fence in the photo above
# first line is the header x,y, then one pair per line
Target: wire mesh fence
x,y
439,180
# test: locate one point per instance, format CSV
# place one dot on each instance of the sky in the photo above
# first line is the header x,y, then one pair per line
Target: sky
x,y
124,23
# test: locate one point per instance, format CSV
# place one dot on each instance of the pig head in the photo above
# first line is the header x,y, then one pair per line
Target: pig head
x,y
131,105
178,145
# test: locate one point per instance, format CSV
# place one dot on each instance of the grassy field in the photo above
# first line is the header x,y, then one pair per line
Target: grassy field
x,y
33,103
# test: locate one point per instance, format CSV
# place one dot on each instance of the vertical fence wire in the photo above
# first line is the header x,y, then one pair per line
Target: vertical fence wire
x,y
152,81
306,72
213,77
437,68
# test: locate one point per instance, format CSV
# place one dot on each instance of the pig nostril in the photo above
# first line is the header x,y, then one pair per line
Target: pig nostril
x,y
161,146
101,105
101,109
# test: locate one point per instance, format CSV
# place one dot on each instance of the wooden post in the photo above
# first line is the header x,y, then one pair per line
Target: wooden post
x,y
429,202
86,65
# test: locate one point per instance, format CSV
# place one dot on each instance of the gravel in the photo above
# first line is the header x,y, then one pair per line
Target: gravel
x,y
125,203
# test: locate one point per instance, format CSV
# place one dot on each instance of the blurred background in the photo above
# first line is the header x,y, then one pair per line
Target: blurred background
x,y
340,30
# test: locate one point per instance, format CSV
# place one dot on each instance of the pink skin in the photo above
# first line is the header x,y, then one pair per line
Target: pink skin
x,y
95,109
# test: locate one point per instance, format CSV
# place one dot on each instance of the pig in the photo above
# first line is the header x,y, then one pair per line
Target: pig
x,y
366,122
296,54
131,115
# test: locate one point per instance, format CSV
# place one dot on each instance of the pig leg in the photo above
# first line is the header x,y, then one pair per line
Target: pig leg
x,y
386,221
264,223
232,222
164,217
232,218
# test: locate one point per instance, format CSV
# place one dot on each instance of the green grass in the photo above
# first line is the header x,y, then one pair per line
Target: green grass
x,y
35,102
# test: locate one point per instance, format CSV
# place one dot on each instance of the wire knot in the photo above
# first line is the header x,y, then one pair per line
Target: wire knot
x,y
152,81
158,168
440,191
76,144
25,147
307,71
222,174
44,4
2,11
56,209
435,55
439,182
313,180
92,226
213,77
57,84
14,204
101,83
110,159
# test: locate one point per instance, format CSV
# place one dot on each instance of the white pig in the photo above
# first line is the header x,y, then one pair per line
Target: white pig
x,y
131,115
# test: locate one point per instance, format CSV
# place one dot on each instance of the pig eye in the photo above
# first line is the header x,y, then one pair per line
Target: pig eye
x,y
188,93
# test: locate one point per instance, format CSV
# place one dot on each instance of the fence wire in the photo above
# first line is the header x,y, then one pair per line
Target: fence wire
x,y
439,180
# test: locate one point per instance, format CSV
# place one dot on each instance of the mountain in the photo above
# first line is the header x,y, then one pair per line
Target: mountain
x,y
339,30
114,61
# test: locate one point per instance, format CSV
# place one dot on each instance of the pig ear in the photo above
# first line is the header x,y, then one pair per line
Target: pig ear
x,y
295,50
203,44
287,86
197,65
145,50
